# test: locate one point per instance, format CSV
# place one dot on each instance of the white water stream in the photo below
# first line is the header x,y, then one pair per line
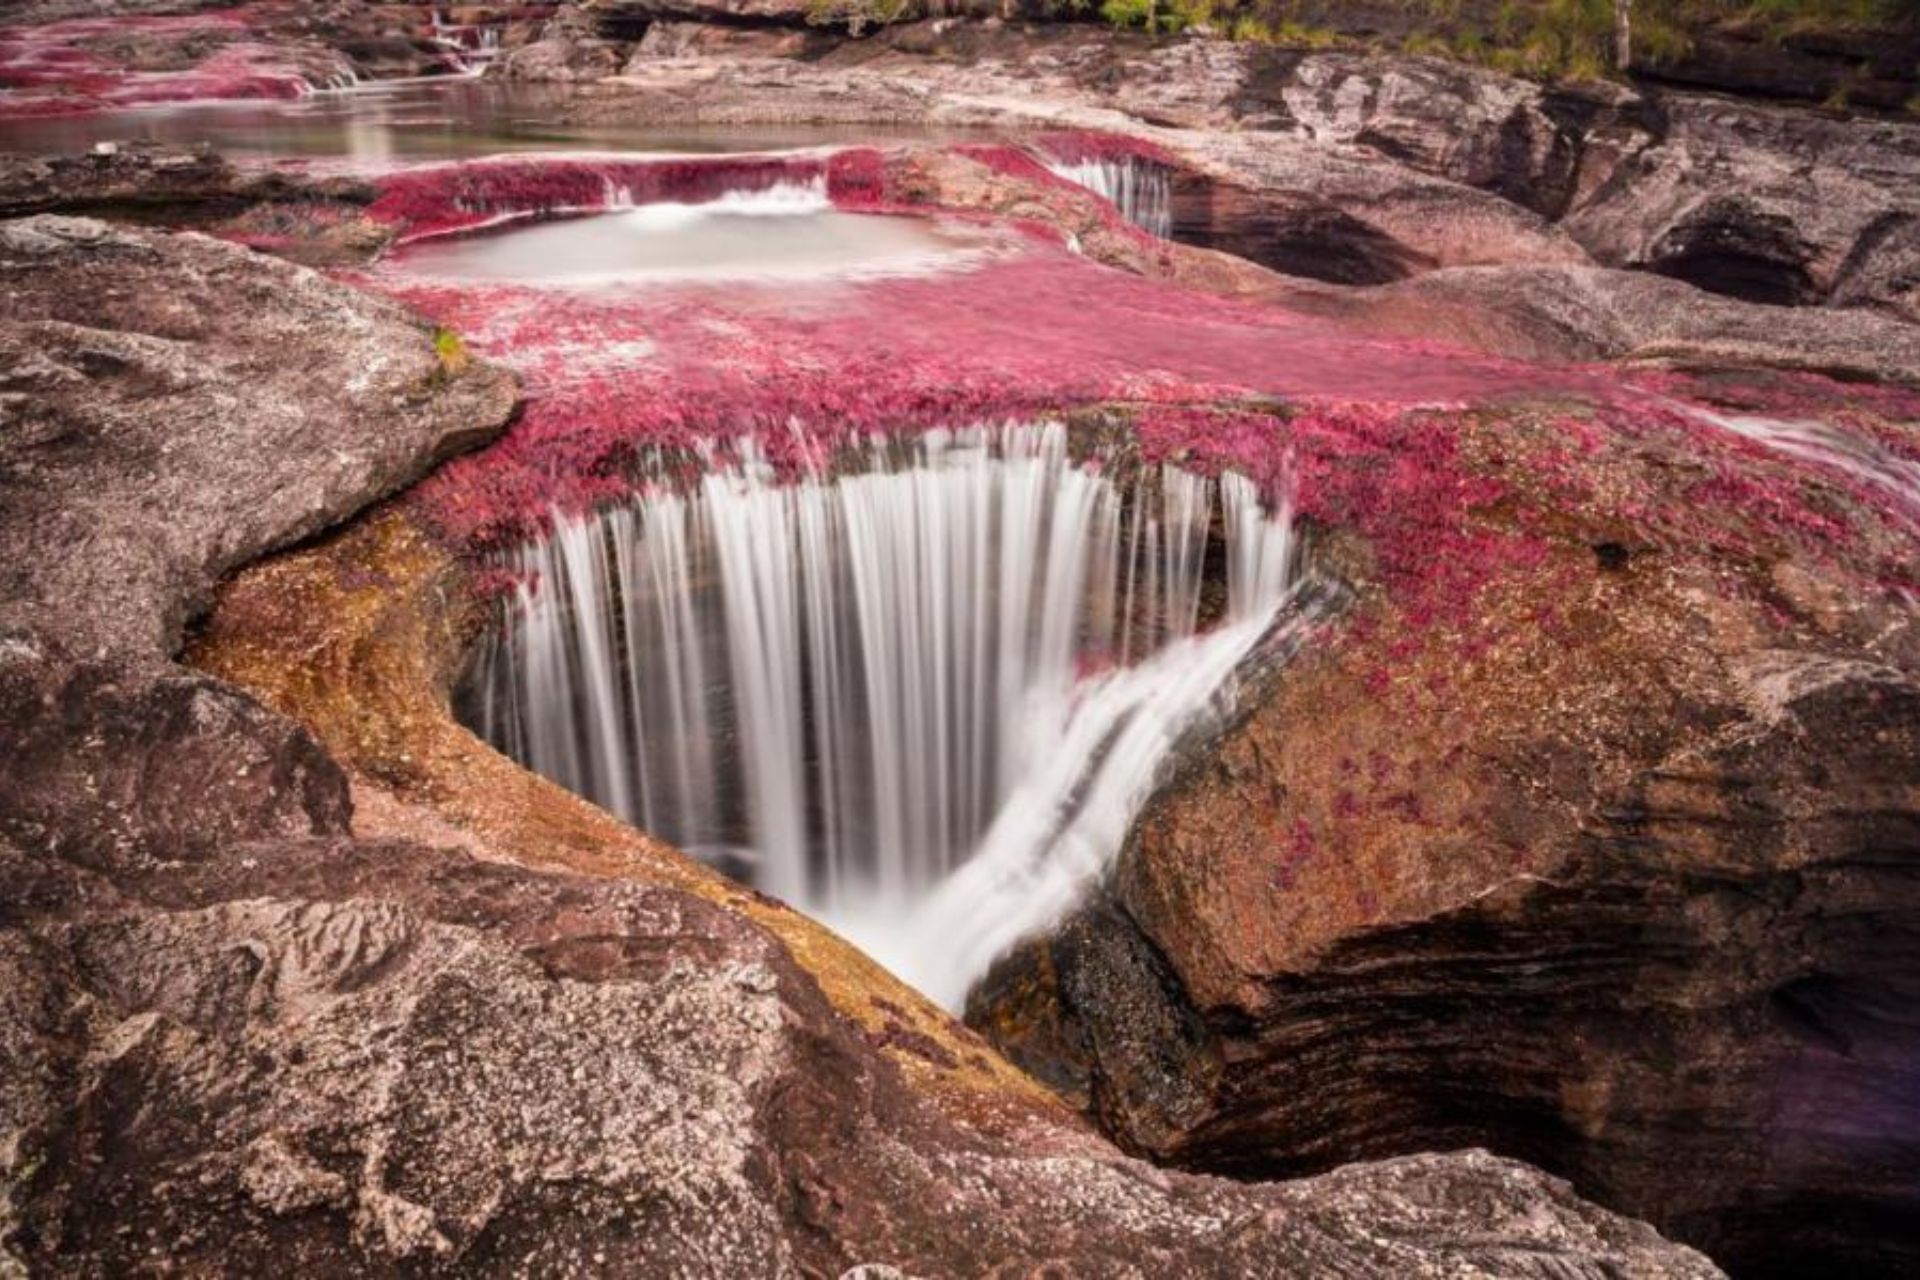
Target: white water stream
x,y
1863,460
787,231
922,698
1141,190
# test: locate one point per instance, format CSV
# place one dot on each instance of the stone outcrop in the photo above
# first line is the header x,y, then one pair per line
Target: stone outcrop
x,y
125,449
1594,313
1871,65
239,1034
1618,871
113,176
1770,205
569,47
1870,62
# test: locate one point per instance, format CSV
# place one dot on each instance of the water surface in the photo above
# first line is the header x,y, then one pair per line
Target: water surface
x,y
437,119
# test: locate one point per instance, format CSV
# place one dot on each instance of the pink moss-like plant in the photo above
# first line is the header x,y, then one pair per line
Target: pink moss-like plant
x,y
1402,442
1078,146
442,198
82,65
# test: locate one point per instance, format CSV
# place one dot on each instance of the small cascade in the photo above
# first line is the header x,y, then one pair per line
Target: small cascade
x,y
1864,461
785,232
787,198
1140,189
432,200
470,48
955,660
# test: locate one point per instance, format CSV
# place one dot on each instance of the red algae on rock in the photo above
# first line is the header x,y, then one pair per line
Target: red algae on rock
x,y
437,199
90,64
1407,444
1072,146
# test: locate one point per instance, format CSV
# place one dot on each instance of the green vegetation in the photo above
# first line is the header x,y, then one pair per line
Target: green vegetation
x,y
1549,39
857,15
453,353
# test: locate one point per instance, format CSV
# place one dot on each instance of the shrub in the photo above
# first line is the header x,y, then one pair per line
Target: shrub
x,y
856,15
454,357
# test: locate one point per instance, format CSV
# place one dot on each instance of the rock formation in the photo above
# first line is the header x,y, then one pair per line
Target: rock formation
x,y
1375,168
238,1036
1613,871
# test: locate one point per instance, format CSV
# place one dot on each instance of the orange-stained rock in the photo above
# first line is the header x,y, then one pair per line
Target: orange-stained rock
x,y
1617,870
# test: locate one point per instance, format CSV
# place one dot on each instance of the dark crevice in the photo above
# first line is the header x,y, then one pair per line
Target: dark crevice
x,y
1293,233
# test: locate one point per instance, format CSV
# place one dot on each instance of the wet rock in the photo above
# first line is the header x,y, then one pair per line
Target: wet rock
x,y
60,65
310,219
113,174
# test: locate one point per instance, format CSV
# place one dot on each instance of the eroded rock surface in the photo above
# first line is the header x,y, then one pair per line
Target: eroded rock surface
x,y
1618,871
1661,902
173,406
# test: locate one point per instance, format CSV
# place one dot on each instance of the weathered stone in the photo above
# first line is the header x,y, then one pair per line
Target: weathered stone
x,y
1595,313
1639,902
1765,203
1363,168
148,444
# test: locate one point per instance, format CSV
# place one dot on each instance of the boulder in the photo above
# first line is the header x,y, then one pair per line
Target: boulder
x,y
1765,203
1599,313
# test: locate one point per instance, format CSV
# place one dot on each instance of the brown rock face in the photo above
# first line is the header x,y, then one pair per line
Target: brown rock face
x,y
1630,888
151,443
234,1037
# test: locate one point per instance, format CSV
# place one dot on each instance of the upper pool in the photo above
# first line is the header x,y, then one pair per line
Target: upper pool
x,y
442,118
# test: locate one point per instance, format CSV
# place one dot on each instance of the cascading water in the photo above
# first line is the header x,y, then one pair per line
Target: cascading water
x,y
920,697
1862,460
1140,189
470,48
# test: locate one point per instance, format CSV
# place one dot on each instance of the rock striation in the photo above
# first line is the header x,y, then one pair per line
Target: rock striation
x,y
1588,837
1614,871
1364,168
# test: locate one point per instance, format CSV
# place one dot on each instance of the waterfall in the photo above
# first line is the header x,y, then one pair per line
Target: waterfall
x,y
1140,189
786,199
468,48
432,200
919,695
1864,461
